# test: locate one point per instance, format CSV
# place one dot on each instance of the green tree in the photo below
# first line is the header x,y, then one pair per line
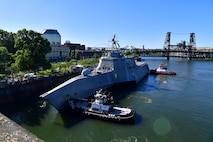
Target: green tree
x,y
31,50
77,55
127,53
7,40
96,55
89,62
5,60
72,54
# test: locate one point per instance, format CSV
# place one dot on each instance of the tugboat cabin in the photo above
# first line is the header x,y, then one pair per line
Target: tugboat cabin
x,y
100,108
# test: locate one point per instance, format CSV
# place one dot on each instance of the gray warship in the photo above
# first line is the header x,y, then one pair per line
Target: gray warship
x,y
113,69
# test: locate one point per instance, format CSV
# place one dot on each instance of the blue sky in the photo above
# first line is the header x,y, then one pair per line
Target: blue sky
x,y
94,22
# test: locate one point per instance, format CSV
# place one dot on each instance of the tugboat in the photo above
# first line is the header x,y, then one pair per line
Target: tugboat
x,y
101,107
113,70
162,69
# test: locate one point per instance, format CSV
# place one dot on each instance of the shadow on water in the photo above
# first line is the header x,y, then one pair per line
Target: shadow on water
x,y
121,91
70,118
138,119
30,114
33,115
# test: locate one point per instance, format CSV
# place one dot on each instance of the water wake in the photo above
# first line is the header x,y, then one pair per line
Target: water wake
x,y
131,139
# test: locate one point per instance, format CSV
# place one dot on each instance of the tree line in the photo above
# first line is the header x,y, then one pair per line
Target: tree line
x,y
23,51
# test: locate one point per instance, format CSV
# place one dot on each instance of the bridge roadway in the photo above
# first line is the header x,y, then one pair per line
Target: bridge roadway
x,y
176,53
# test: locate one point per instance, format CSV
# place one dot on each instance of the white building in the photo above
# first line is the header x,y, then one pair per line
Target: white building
x,y
58,52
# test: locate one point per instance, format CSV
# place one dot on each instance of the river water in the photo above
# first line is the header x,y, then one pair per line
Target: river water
x,y
169,109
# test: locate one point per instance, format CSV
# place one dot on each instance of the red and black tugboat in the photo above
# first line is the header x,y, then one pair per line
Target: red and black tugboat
x,y
162,69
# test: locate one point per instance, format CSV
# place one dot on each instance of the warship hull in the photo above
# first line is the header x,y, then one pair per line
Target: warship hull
x,y
85,86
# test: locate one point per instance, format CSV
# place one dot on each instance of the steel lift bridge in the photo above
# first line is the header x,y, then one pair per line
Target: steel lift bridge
x,y
184,49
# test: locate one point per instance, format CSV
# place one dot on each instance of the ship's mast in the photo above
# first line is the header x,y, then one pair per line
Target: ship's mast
x,y
115,44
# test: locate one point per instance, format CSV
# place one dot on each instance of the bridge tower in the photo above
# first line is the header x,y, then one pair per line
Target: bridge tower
x,y
167,44
191,46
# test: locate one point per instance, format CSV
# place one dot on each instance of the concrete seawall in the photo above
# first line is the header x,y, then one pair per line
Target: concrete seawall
x,y
12,132
32,89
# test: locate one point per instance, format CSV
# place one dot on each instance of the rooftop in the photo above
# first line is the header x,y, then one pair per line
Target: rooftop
x,y
50,31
